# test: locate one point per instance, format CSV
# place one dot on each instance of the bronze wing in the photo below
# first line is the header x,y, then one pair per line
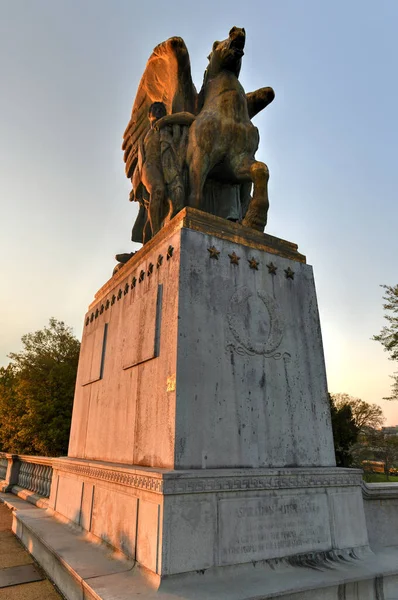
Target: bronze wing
x,y
167,78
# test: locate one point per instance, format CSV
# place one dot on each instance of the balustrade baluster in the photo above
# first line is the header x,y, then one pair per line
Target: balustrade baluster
x,y
3,468
27,475
35,482
47,481
41,480
32,476
21,476
38,485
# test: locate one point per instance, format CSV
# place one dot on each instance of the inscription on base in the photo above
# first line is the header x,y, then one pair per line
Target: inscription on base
x,y
272,527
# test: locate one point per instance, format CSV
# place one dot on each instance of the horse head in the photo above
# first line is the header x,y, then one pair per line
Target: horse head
x,y
227,55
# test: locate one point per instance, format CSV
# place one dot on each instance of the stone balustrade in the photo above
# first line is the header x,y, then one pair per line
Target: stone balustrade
x,y
32,473
381,510
3,467
35,476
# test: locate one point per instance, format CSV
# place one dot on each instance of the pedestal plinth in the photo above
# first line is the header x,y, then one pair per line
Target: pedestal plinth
x,y
201,435
175,522
205,351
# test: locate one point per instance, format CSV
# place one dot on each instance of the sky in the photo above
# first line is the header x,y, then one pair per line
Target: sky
x,y
69,73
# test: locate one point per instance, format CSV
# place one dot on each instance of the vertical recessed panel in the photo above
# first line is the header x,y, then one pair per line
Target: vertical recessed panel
x,y
114,519
148,535
93,354
141,328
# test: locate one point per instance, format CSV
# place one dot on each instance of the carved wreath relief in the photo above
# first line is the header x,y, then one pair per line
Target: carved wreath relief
x,y
256,323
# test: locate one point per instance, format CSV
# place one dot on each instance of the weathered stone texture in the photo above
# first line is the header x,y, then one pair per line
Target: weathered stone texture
x,y
251,383
204,361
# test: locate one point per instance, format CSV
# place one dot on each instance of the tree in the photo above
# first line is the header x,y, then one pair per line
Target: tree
x,y
345,433
388,336
11,410
36,392
366,416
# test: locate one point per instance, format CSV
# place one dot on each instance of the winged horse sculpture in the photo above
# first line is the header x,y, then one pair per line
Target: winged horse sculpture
x,y
180,144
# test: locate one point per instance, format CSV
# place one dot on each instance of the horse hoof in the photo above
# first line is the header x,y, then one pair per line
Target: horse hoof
x,y
254,222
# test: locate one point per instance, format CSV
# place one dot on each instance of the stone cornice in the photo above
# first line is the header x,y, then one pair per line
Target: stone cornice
x,y
218,480
191,218
379,491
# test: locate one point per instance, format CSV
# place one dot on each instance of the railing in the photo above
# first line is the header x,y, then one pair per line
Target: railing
x,y
33,473
3,467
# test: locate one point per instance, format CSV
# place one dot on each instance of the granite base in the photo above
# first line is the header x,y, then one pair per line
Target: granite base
x,y
173,522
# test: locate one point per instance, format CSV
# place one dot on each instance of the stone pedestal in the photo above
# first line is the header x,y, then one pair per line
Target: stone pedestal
x,y
175,522
201,435
205,351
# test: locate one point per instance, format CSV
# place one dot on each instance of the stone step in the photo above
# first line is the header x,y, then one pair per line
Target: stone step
x,y
83,570
64,552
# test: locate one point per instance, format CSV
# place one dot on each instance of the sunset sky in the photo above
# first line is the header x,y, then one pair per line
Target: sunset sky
x,y
69,73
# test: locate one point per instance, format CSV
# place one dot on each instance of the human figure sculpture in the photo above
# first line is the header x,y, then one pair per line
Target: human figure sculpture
x,y
174,130
158,177
148,181
207,141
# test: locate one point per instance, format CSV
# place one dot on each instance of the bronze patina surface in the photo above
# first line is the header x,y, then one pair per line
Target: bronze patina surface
x,y
184,148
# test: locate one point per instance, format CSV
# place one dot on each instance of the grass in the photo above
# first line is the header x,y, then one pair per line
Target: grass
x,y
379,478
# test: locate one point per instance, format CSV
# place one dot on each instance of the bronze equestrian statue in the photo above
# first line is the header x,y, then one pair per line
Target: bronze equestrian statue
x,y
206,143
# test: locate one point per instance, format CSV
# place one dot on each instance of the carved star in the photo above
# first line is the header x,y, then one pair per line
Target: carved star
x,y
289,273
213,252
160,260
150,269
141,277
234,258
170,251
253,263
271,268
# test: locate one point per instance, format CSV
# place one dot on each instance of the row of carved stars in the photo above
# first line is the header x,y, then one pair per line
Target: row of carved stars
x,y
253,263
122,292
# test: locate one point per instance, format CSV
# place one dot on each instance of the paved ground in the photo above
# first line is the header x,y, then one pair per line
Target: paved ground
x,y
17,567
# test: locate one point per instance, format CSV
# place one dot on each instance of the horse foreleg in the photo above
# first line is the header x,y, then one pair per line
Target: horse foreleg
x,y
199,167
152,179
258,100
156,208
256,214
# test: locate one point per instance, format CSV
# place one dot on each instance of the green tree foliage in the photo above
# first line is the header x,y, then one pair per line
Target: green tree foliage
x,y
366,416
345,433
36,392
388,336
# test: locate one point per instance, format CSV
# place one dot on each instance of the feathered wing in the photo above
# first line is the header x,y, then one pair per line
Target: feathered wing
x,y
167,78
